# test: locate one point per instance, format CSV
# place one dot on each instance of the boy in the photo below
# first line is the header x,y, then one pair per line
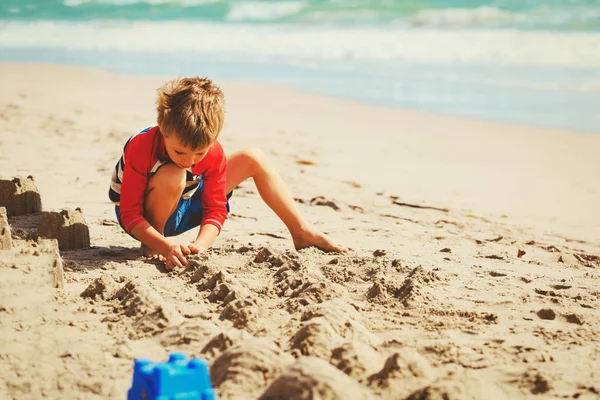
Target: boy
x,y
175,176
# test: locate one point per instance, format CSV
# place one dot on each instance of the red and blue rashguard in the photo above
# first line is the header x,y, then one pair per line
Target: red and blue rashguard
x,y
203,200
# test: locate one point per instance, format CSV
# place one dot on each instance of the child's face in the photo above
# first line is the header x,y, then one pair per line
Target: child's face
x,y
183,156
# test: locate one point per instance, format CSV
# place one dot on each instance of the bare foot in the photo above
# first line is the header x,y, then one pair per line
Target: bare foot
x,y
148,252
313,238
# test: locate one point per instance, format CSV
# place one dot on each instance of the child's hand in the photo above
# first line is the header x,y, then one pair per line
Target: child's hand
x,y
196,248
176,256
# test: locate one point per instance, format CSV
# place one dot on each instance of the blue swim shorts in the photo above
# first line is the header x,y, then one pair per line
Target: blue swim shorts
x,y
186,216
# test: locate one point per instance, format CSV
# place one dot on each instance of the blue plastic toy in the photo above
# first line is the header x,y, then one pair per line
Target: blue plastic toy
x,y
179,378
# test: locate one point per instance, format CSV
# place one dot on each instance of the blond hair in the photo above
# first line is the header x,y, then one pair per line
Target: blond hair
x,y
192,109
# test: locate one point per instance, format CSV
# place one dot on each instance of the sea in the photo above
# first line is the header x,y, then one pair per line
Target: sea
x,y
528,62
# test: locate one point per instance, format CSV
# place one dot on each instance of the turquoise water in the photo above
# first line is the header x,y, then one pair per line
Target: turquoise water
x,y
568,15
528,62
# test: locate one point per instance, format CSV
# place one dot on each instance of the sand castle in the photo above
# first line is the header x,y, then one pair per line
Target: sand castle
x,y
5,233
20,197
45,233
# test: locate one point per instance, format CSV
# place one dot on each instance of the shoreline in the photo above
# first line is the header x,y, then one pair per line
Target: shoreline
x,y
292,89
545,97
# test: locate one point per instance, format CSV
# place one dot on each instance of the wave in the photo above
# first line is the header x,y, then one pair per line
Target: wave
x,y
565,15
545,17
182,3
461,17
313,44
261,11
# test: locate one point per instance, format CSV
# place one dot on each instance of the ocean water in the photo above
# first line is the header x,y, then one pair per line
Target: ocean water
x,y
526,62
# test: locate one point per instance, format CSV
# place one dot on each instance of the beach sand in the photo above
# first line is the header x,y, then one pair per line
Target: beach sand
x,y
473,269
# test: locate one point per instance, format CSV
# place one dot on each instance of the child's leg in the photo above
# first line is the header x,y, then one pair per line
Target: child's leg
x,y
252,163
162,196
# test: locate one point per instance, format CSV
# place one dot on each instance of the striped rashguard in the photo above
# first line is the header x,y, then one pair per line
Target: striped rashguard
x,y
203,200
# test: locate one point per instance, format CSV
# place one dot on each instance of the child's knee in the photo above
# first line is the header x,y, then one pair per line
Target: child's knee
x,y
255,158
169,178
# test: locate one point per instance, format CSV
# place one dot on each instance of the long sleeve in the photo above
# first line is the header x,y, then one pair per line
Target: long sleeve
x,y
137,160
214,177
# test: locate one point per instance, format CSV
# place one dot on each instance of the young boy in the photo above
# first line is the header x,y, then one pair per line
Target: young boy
x,y
175,176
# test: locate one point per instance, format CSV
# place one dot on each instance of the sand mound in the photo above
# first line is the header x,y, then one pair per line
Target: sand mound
x,y
240,306
304,284
244,313
223,341
316,338
104,287
343,318
356,359
194,333
402,372
313,293
223,288
464,387
252,364
337,273
335,310
274,260
312,378
413,292
366,268
407,364
202,270
292,275
149,312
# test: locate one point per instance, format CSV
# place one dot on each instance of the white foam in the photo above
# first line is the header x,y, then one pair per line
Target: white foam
x,y
494,47
183,3
460,17
261,11
74,3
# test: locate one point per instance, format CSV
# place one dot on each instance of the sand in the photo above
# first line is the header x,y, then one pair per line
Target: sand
x,y
473,270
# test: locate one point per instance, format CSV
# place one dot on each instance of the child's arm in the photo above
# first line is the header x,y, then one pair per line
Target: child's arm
x,y
134,182
214,200
206,237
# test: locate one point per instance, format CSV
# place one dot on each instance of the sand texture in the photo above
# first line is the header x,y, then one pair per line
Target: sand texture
x,y
473,270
